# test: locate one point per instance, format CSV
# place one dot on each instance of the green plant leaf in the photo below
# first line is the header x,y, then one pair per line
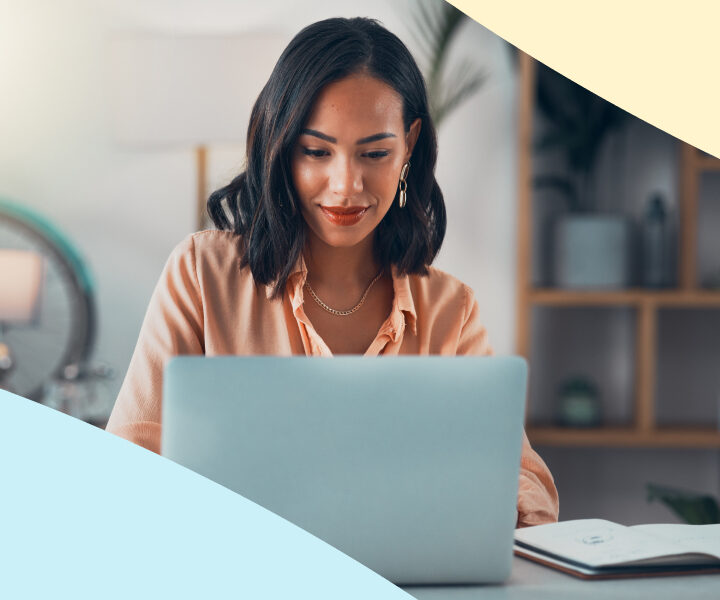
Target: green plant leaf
x,y
578,121
692,507
559,183
435,27
463,82
552,139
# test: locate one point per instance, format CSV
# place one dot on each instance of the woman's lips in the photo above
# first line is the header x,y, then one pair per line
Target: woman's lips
x,y
344,215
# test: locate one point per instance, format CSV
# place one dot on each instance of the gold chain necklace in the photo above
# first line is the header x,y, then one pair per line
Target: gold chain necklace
x,y
342,313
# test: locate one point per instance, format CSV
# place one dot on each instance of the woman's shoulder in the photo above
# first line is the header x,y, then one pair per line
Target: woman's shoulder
x,y
209,245
210,252
440,287
447,314
436,275
208,241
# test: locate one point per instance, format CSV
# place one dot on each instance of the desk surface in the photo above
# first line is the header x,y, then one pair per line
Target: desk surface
x,y
529,580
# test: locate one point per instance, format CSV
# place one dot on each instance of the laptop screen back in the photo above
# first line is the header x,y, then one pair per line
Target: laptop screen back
x,y
407,464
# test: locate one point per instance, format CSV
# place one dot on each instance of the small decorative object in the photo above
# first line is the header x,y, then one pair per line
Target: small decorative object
x,y
81,393
578,403
592,251
656,262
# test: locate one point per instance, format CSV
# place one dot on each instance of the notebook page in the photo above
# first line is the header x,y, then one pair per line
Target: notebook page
x,y
596,542
691,538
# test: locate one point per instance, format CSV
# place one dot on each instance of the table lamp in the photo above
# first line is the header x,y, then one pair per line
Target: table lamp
x,y
189,91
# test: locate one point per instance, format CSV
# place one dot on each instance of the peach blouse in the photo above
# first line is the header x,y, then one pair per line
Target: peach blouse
x,y
205,303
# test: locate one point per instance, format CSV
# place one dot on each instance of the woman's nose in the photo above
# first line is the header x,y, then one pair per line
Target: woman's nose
x,y
346,178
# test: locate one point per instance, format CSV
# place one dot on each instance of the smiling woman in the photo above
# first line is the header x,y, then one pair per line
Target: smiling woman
x,y
350,178
344,109
339,199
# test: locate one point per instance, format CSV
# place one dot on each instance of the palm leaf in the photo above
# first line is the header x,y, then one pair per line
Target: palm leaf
x,y
463,83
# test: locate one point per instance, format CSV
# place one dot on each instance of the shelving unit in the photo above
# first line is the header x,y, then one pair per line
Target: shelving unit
x,y
684,437
647,303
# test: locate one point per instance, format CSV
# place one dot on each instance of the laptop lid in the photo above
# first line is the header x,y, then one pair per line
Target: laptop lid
x,y
407,464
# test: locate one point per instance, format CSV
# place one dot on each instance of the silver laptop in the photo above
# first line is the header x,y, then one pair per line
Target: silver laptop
x,y
407,464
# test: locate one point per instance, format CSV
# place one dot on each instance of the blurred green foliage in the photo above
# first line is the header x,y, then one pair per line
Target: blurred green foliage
x,y
578,123
693,508
436,26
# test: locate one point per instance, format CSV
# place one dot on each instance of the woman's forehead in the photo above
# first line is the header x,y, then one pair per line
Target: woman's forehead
x,y
355,105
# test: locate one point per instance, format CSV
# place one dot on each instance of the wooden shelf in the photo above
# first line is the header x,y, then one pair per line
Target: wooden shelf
x,y
644,432
630,297
708,163
675,437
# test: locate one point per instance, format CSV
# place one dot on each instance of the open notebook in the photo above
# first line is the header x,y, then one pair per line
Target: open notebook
x,y
594,548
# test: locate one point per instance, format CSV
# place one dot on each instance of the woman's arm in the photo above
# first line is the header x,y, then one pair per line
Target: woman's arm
x,y
173,325
537,495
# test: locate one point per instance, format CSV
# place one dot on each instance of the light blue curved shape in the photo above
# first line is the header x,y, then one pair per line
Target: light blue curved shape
x,y
85,514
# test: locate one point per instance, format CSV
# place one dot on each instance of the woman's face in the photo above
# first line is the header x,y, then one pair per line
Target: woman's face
x,y
347,161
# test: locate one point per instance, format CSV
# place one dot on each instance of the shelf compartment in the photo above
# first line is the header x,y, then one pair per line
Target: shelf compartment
x,y
707,245
669,437
687,380
594,343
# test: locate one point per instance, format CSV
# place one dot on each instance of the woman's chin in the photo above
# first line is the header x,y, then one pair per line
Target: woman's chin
x,y
345,237
344,240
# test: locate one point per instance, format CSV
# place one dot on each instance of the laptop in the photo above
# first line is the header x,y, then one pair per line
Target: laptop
x,y
407,464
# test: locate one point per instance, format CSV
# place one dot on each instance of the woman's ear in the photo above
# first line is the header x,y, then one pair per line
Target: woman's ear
x,y
411,137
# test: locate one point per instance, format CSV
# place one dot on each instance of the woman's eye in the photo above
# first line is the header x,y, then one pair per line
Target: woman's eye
x,y
376,154
314,153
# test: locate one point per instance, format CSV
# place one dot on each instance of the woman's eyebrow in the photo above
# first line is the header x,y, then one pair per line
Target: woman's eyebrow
x,y
375,137
366,140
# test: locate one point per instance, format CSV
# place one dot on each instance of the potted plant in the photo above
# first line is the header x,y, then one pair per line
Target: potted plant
x,y
590,249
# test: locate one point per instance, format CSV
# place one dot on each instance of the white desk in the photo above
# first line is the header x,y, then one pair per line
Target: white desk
x,y
529,580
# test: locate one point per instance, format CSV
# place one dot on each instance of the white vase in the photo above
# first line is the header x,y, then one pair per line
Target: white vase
x,y
592,251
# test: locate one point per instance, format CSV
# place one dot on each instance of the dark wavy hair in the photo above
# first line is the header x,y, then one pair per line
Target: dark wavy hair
x,y
261,205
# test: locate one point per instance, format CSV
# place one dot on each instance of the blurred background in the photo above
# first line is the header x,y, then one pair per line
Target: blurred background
x,y
589,237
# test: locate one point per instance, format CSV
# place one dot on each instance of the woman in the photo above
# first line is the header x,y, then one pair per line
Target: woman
x,y
325,241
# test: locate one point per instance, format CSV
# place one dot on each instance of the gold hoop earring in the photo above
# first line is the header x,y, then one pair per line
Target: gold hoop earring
x,y
402,197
